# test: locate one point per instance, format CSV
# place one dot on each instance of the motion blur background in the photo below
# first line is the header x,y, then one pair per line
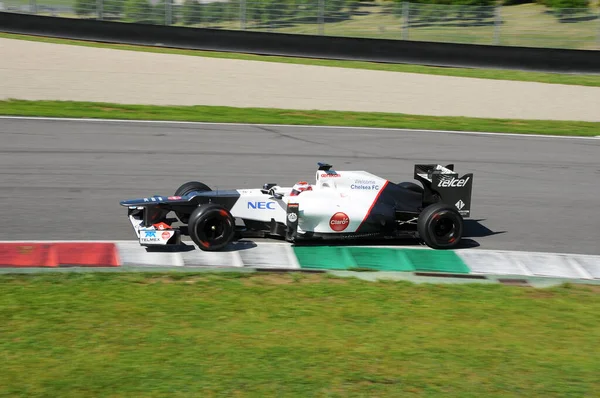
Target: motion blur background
x,y
572,24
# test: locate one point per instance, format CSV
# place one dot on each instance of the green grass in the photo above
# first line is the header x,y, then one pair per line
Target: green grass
x,y
69,3
121,335
552,78
222,114
522,25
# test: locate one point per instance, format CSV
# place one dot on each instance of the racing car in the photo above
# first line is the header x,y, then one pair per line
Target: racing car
x,y
340,205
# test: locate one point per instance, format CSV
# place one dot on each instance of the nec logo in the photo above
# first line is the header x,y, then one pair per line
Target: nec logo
x,y
262,205
454,182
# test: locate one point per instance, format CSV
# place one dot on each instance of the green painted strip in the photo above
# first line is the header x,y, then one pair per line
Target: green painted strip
x,y
324,257
380,259
437,261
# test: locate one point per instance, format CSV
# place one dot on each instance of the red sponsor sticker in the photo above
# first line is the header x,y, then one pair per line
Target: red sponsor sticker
x,y
174,197
339,222
161,226
166,235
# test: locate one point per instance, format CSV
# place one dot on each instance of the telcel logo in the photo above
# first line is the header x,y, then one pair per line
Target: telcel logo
x,y
339,222
261,205
454,182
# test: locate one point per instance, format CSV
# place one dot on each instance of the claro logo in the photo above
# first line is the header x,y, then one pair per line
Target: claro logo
x,y
339,222
453,182
330,175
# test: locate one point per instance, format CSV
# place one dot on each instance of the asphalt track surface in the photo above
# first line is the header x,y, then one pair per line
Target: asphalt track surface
x,y
64,179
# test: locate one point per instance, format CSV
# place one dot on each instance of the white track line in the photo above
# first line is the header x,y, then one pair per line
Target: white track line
x,y
298,126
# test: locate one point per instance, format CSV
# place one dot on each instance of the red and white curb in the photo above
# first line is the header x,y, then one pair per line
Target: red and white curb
x,y
554,265
241,254
281,255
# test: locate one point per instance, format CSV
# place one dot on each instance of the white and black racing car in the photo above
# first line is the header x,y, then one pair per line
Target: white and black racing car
x,y
340,205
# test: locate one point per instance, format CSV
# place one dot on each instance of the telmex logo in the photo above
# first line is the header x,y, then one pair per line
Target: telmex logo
x,y
339,222
454,182
262,205
331,175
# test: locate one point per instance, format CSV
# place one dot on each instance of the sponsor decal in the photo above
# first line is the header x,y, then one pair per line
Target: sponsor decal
x,y
150,237
367,182
161,226
460,204
362,187
331,175
261,205
292,217
158,237
150,240
339,221
174,197
453,182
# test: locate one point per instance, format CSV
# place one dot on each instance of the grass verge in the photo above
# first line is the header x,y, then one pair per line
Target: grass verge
x,y
553,78
92,334
222,114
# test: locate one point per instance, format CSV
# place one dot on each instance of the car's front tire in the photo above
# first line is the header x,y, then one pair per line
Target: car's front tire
x,y
191,186
187,188
211,227
440,226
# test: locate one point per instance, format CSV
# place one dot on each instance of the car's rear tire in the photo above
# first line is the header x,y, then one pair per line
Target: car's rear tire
x,y
187,188
440,226
211,227
411,186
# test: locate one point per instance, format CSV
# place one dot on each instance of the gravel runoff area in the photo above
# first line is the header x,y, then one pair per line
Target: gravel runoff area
x,y
36,71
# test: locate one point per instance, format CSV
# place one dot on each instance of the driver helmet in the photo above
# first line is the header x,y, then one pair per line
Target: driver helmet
x,y
300,187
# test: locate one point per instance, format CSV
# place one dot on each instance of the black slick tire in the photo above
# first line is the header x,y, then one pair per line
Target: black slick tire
x,y
189,187
211,227
440,226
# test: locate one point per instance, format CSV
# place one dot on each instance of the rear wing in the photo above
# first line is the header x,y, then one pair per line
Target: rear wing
x,y
443,184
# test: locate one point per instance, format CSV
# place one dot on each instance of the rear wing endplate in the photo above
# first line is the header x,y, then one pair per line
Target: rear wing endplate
x,y
443,184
